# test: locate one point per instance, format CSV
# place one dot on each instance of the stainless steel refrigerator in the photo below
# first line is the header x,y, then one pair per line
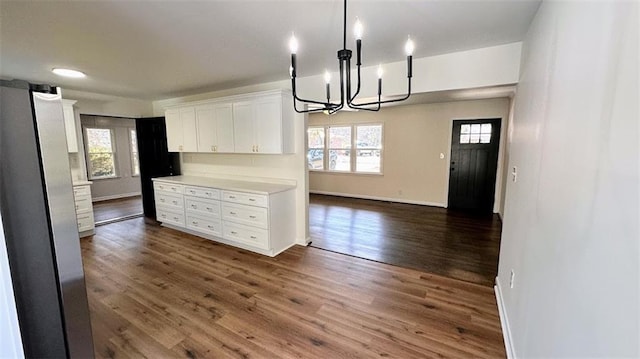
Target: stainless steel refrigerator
x,y
39,220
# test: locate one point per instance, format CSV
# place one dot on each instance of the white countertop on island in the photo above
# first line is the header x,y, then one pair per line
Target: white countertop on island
x,y
226,184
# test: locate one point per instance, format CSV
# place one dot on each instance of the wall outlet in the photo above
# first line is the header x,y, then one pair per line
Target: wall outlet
x,y
512,278
514,174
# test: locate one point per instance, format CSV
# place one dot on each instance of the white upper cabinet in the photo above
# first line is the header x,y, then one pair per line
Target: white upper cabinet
x,y
70,125
214,124
252,123
181,130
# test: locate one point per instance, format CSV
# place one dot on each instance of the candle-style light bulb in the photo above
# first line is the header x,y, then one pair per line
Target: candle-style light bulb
x,y
409,47
357,29
380,72
327,77
293,44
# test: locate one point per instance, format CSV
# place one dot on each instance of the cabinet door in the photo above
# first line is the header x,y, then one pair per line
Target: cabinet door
x,y
243,113
189,131
174,131
207,130
268,125
224,128
70,125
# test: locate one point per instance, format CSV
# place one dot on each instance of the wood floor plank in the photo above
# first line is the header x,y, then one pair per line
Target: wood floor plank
x,y
159,293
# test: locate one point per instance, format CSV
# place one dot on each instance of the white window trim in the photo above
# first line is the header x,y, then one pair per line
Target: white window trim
x,y
131,152
88,154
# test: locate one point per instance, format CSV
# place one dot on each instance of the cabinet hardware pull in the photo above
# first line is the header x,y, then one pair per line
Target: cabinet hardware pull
x,y
175,202
233,213
253,237
194,222
232,197
252,199
175,218
252,217
210,226
232,232
161,199
209,209
194,206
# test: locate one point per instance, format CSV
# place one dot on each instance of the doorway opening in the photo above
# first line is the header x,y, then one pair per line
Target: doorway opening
x,y
113,167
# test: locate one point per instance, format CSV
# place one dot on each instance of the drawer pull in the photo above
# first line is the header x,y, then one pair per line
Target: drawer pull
x,y
253,237
252,217
232,197
210,226
162,200
232,213
209,209
194,223
233,232
208,194
194,206
163,215
175,202
175,218
192,191
252,199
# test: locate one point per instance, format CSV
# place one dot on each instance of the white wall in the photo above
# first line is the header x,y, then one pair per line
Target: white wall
x,y
90,103
571,224
414,137
489,66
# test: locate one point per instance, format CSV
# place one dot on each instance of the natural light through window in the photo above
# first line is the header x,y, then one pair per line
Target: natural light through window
x,y
345,148
101,153
475,133
135,159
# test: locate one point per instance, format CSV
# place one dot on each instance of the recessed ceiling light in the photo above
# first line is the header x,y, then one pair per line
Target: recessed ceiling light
x,y
68,73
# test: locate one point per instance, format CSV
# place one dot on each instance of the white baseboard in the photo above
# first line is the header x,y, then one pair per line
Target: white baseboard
x,y
504,321
388,199
115,196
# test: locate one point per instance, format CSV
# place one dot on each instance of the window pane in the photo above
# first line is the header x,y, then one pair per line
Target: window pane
x,y
475,138
315,159
475,128
135,162
102,165
464,138
316,137
486,128
465,128
340,145
485,138
368,161
99,140
340,137
369,136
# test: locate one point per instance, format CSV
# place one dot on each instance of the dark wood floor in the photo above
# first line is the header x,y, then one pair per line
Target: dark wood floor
x,y
159,293
434,240
117,208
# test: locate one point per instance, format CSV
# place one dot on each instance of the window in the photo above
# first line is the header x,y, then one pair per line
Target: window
x,y
368,145
101,153
345,148
339,147
135,159
475,133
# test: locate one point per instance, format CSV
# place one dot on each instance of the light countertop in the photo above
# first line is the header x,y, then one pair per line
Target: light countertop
x,y
225,184
81,183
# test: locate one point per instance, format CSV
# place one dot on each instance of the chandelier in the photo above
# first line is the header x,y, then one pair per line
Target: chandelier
x,y
344,60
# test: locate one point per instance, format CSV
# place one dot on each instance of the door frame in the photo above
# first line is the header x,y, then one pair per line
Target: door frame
x,y
499,168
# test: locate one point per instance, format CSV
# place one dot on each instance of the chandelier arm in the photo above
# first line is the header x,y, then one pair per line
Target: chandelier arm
x,y
295,97
357,88
355,105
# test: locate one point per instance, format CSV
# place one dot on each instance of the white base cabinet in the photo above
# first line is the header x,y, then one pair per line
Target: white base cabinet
x,y
254,216
84,209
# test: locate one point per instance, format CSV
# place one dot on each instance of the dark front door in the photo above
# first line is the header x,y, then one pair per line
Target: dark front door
x,y
155,159
474,160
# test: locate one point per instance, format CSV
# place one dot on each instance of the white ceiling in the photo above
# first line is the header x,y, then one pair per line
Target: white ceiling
x,y
160,49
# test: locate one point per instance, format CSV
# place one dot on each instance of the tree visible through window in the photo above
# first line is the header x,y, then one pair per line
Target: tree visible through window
x,y
101,153
347,148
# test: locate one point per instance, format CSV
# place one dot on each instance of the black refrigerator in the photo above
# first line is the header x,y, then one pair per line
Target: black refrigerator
x,y
39,224
155,159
